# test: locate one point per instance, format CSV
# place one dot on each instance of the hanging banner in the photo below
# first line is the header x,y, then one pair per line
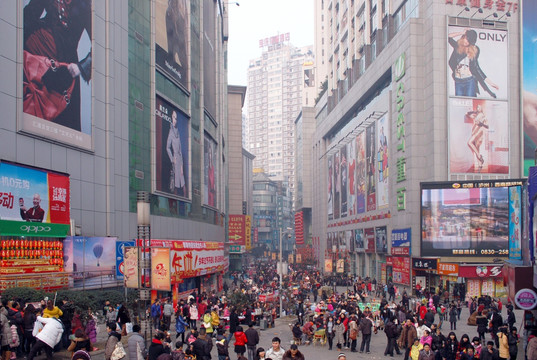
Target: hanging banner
x,y
160,269
340,266
401,239
369,240
515,222
131,274
327,265
120,258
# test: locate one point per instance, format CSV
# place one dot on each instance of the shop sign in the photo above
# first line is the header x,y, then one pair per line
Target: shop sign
x,y
237,229
401,270
399,69
448,269
401,239
480,271
24,228
236,249
340,266
492,5
424,264
248,231
526,299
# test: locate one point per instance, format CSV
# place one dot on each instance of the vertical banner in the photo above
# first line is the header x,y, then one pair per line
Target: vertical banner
x,y
171,37
382,162
371,157
236,230
381,237
359,240
478,136
351,174
248,231
171,132
330,182
327,265
160,269
120,258
529,79
369,240
337,186
131,273
515,226
340,266
57,104
401,240
344,180
361,171
209,173
209,56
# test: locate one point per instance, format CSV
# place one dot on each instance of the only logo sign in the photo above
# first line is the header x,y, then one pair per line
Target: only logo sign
x,y
399,67
35,228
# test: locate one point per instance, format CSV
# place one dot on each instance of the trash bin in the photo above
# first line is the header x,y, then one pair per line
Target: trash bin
x,y
263,324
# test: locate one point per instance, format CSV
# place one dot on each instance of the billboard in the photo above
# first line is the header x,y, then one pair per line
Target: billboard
x,y
344,177
160,269
172,147
529,80
209,173
477,63
382,162
29,194
381,238
131,273
401,240
359,240
401,270
351,174
337,186
330,182
92,260
237,230
371,159
57,70
120,258
361,171
171,39
369,235
209,56
478,136
466,218
515,223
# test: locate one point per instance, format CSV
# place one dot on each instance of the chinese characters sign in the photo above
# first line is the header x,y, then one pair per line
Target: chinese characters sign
x,y
401,239
237,229
400,160
494,5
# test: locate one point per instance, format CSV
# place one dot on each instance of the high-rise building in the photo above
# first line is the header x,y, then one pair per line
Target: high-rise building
x,y
275,97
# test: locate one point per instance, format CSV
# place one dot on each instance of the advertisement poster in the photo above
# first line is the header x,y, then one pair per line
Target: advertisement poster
x,y
131,275
94,261
369,240
478,136
337,186
209,56
371,160
209,173
381,237
160,269
501,291
28,194
237,230
477,62
193,258
120,258
360,173
359,240
171,37
57,74
401,239
327,265
529,79
465,219
344,180
382,163
351,174
473,287
172,148
515,223
330,182
401,270
487,287
340,266
248,231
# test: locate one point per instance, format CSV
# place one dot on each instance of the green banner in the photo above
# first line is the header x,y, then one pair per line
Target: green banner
x,y
24,228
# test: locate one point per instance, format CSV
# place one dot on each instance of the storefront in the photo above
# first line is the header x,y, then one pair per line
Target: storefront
x,y
35,221
483,280
423,270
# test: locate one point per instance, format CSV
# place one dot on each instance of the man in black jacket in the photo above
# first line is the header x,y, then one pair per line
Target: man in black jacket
x,y
202,346
391,334
253,340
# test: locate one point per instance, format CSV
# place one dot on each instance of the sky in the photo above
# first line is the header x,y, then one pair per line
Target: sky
x,y
253,20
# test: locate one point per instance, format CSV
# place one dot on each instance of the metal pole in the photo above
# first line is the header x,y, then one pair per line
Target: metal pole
x,y
280,267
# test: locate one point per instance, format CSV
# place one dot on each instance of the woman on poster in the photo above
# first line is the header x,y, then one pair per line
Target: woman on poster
x,y
464,64
175,154
478,132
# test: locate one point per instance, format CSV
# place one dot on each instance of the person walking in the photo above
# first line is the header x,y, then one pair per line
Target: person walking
x,y
155,314
48,337
366,328
408,334
390,329
293,353
136,344
167,312
338,331
275,352
353,332
330,326
453,317
252,340
113,338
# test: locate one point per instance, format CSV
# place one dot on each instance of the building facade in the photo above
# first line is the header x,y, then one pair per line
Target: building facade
x,y
397,127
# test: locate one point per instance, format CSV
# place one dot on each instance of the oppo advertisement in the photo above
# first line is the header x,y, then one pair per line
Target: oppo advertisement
x,y
57,69
529,79
471,219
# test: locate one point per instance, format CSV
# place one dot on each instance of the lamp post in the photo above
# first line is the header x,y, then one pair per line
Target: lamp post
x,y
280,269
144,260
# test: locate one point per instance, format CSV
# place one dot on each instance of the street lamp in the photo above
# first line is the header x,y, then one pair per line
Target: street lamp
x,y
280,269
144,262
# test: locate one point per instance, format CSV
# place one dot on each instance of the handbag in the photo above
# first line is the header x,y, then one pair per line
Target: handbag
x,y
139,354
119,352
47,86
38,326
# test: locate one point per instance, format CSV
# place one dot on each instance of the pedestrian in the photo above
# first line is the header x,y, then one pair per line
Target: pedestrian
x,y
490,353
275,352
155,314
260,354
482,324
167,312
113,338
222,347
48,337
453,317
136,343
415,349
80,342
452,347
338,331
28,320
158,346
353,332
177,353
426,353
180,326
330,326
293,353
511,319
252,340
366,328
503,338
202,346
123,318
513,340
390,329
408,334
5,333
240,341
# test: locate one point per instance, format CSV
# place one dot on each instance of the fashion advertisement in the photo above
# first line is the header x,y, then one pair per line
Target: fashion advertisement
x,y
369,234
209,56
477,62
478,136
371,159
515,223
359,240
337,185
209,173
382,162
351,174
160,269
330,182
381,237
361,168
57,70
32,195
171,38
344,180
465,219
171,143
529,79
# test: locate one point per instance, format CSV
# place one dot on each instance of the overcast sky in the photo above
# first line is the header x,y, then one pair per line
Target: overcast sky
x,y
253,20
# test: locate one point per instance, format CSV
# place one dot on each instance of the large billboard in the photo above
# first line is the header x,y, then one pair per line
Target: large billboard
x,y
209,56
209,172
28,194
466,218
337,185
371,160
171,37
351,174
330,183
383,141
361,171
381,238
344,180
529,79
171,132
57,70
478,136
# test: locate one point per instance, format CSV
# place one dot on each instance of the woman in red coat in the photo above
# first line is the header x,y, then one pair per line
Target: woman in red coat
x,y
240,341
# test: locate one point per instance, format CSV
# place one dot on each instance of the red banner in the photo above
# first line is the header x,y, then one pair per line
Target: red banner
x,y
236,232
58,193
480,271
401,270
369,240
299,228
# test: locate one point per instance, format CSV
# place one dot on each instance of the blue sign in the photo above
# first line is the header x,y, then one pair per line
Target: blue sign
x,y
120,246
401,237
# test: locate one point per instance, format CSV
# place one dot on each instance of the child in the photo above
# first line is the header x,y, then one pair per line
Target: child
x,y
415,349
178,353
222,347
477,346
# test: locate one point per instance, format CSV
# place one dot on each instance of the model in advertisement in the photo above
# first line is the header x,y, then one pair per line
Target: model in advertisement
x,y
211,184
35,213
176,20
478,132
173,147
330,190
51,66
464,64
